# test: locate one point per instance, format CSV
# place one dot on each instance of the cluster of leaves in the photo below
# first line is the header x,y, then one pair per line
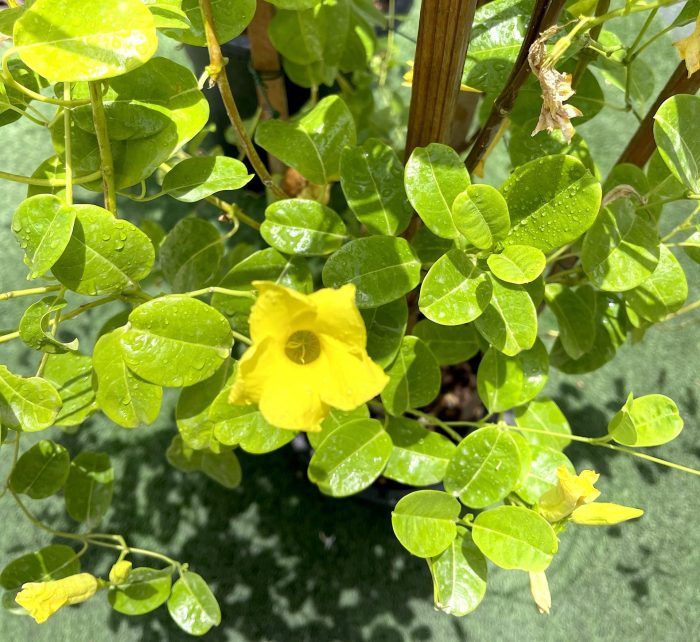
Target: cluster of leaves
x,y
482,262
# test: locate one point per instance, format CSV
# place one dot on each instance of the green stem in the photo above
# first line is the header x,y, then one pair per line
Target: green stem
x,y
434,421
4,338
642,31
389,43
233,212
68,144
106,162
15,294
49,182
246,294
688,308
685,224
651,41
242,338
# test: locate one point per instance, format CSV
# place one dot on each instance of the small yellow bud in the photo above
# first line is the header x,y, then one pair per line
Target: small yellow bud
x,y
120,572
571,492
539,587
43,599
604,514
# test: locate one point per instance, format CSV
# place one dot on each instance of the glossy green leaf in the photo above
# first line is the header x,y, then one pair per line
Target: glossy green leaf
x,y
509,322
295,5
192,605
303,227
414,378
71,373
485,468
480,214
434,177
372,179
676,135
53,168
43,225
8,17
88,490
335,419
122,395
425,522
190,254
621,250
52,562
104,254
61,41
41,471
231,17
663,292
691,245
168,14
193,179
518,264
651,420
449,344
350,458
459,576
543,414
382,268
298,35
176,341
222,467
689,13
542,473
144,591
575,317
386,326
246,427
551,201
29,404
505,382
312,145
419,456
429,247
455,290
34,327
513,537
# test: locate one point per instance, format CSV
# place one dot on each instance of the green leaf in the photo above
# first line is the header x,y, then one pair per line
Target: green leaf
x,y
480,214
176,341
41,471
485,468
455,290
518,264
429,247
425,522
123,396
542,473
371,176
691,245
303,227
434,177
297,35
459,576
192,605
104,254
88,490
71,373
621,250
167,14
295,5
414,379
513,537
191,253
449,344
676,136
382,268
62,42
335,419
663,292
651,420
350,458
419,456
52,562
231,17
193,179
222,467
509,322
34,327
312,144
30,404
246,427
144,591
8,17
688,14
551,201
386,326
505,382
543,414
43,225
575,317
264,265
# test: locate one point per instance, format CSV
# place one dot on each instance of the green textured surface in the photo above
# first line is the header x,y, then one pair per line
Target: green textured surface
x,y
288,564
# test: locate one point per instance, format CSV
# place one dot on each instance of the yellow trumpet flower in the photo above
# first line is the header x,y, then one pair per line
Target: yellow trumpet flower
x,y
571,492
43,599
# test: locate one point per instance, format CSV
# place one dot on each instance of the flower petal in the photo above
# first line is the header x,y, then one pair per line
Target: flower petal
x,y
278,311
338,316
257,365
292,403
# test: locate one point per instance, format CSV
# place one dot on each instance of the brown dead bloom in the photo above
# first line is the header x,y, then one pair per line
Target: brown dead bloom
x,y
689,49
556,89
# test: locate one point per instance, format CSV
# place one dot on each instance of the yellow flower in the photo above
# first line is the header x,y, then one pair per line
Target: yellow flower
x,y
603,514
689,49
539,588
43,599
119,573
571,492
308,355
408,80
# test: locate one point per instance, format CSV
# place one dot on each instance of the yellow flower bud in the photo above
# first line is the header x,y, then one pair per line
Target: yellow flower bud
x,y
120,572
43,599
571,492
604,514
689,49
539,587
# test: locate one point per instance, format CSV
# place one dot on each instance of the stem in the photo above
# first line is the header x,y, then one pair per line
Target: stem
x,y
587,55
49,182
247,294
688,308
4,338
651,41
15,294
434,421
217,73
389,43
241,337
681,227
68,143
106,162
233,211
642,31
